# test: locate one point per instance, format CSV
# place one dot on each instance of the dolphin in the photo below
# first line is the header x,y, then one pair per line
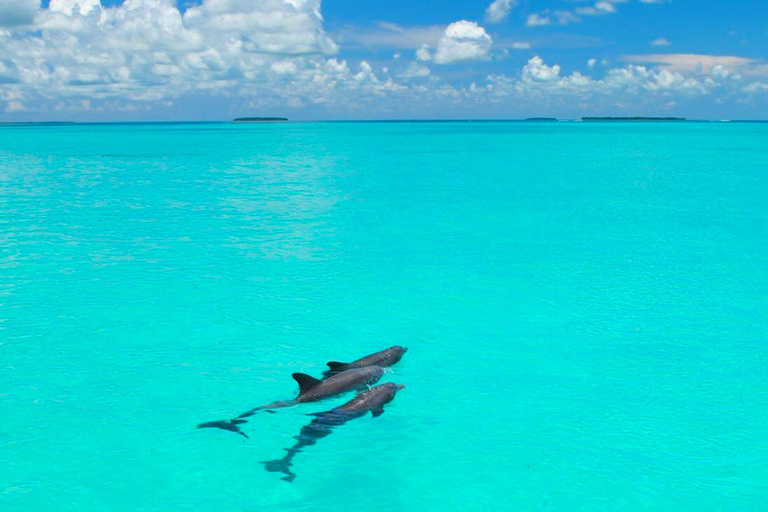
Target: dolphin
x,y
372,400
386,357
310,390
231,425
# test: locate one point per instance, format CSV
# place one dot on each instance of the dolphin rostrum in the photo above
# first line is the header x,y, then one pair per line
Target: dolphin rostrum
x,y
310,390
372,400
386,357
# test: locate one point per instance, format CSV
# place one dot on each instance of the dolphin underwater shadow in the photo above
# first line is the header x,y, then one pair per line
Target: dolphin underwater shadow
x,y
383,358
322,426
310,390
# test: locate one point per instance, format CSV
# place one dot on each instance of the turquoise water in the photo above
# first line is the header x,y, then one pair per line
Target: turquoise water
x,y
586,307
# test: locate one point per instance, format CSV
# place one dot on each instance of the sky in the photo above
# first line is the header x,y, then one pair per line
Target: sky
x,y
133,60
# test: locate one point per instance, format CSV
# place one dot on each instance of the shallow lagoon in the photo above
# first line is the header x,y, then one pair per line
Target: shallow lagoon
x,y
585,307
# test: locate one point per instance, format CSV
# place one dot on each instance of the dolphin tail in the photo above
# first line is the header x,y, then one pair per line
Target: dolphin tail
x,y
268,408
280,466
230,425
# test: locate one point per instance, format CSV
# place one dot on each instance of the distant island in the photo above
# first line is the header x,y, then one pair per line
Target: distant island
x,y
259,119
633,119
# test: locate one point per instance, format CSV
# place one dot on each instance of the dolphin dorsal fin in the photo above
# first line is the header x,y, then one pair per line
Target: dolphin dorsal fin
x,y
306,382
336,366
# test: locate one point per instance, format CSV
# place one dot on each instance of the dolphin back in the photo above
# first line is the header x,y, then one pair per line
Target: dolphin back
x,y
306,382
386,357
335,367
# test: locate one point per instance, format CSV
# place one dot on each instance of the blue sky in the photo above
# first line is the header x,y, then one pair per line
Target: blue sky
x,y
345,59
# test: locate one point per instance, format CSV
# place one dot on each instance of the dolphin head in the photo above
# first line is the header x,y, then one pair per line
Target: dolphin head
x,y
382,395
393,388
395,353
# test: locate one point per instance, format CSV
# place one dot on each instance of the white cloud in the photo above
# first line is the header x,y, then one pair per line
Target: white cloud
x,y
15,106
462,40
661,41
15,13
654,80
601,7
415,70
423,53
536,71
689,62
538,20
390,35
70,7
147,50
499,10
566,17
630,85
284,67
78,56
606,6
366,73
264,26
554,18
756,87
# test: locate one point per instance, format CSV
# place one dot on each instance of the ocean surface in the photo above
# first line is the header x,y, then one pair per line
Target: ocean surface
x,y
585,304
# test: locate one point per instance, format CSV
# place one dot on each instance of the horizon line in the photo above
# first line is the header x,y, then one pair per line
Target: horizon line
x,y
400,120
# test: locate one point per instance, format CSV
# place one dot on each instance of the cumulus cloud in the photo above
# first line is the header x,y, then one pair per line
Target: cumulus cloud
x,y
142,57
536,71
423,53
499,10
654,80
77,55
15,13
70,7
147,50
264,26
541,81
415,70
462,40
